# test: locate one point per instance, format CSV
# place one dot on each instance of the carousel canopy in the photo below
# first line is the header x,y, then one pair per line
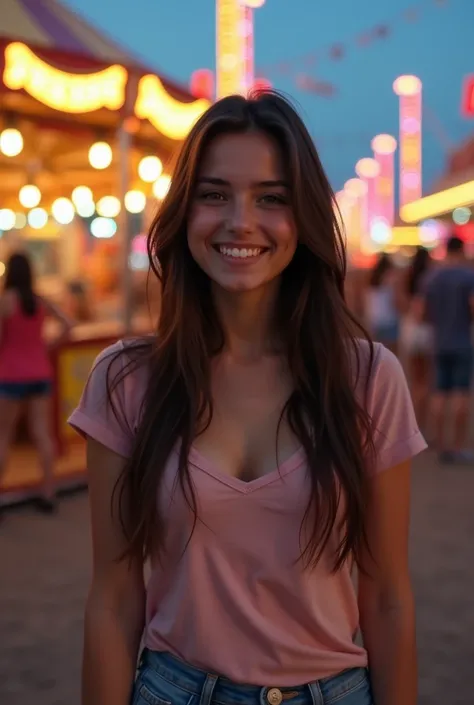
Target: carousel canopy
x,y
65,87
48,24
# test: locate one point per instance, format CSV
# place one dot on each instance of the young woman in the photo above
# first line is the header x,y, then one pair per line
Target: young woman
x,y
252,450
382,303
25,370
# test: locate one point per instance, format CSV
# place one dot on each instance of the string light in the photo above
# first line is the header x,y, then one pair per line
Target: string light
x,y
11,142
100,155
29,196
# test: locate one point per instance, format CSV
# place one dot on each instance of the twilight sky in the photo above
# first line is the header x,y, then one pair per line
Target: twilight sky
x,y
178,36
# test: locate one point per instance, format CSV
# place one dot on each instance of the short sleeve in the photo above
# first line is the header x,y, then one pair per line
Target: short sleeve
x,y
106,410
396,435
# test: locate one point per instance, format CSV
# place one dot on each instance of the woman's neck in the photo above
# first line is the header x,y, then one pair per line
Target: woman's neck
x,y
248,321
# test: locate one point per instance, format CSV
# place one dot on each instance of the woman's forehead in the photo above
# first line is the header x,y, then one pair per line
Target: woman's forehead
x,y
251,154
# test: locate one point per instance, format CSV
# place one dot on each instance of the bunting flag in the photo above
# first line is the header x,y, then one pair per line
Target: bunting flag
x,y
301,69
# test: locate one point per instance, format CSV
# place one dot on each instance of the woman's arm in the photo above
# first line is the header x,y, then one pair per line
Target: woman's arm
x,y
115,608
386,604
56,313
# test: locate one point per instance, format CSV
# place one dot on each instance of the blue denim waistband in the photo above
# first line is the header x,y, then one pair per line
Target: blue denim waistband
x,y
217,689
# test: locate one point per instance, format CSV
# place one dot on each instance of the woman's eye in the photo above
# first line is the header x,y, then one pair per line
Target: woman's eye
x,y
211,196
273,199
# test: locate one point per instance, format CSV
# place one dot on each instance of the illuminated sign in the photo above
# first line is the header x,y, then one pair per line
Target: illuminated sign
x,y
230,59
409,91
468,97
384,147
67,92
170,117
439,203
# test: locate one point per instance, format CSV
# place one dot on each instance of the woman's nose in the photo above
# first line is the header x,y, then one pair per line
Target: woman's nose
x,y
240,218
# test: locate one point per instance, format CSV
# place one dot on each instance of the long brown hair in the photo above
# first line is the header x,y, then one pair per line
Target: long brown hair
x,y
323,411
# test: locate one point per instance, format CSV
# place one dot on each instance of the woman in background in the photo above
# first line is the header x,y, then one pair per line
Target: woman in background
x,y
381,303
417,338
25,368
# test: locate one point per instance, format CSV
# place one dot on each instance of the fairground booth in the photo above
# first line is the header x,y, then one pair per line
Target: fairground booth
x,y
87,134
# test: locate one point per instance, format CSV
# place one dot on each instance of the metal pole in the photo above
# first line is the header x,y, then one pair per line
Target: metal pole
x,y
124,142
124,145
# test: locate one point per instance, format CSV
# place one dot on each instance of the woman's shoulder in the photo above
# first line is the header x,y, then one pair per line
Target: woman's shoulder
x,y
374,361
124,358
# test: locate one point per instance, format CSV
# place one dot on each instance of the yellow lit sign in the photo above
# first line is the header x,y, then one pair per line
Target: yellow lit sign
x,y
170,117
67,92
438,203
230,59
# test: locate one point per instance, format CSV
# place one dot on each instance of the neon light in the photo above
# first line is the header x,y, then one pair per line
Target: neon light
x,y
384,147
409,90
467,107
439,203
368,170
67,92
170,117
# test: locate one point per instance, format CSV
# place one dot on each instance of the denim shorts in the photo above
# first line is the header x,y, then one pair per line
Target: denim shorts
x,y
19,391
453,371
164,680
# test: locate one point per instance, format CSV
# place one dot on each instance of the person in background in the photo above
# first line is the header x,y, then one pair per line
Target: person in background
x,y
381,310
254,448
447,302
417,337
78,303
25,368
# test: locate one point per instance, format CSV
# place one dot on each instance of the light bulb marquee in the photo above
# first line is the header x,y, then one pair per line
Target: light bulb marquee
x,y
168,115
66,92
85,93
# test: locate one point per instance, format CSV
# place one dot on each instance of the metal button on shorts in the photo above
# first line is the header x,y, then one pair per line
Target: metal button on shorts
x,y
274,696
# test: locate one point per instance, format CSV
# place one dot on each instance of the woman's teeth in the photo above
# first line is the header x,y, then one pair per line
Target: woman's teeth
x,y
240,252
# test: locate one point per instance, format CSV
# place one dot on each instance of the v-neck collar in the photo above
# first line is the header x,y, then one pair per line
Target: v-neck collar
x,y
295,460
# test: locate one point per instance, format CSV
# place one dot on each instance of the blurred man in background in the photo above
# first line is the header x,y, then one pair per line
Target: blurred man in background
x,y
447,302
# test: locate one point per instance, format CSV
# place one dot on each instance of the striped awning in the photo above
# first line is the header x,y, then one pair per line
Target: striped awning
x,y
49,24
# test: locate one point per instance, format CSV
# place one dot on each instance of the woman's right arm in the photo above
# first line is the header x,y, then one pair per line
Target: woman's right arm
x,y
115,608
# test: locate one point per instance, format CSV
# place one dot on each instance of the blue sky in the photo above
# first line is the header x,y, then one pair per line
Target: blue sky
x,y
178,36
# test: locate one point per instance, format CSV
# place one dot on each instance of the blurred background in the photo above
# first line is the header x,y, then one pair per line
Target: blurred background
x,y
95,99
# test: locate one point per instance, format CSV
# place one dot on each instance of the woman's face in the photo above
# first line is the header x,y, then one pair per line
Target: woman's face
x,y
241,230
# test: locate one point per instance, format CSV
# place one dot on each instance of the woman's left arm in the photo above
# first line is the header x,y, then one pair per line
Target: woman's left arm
x,y
386,604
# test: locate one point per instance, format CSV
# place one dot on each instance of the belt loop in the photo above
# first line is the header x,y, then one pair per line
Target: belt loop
x,y
208,690
316,694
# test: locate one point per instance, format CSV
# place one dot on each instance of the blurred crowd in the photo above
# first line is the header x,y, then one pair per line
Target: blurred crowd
x,y
422,311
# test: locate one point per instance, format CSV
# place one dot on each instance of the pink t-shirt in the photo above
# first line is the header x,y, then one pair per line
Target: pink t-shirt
x,y
238,602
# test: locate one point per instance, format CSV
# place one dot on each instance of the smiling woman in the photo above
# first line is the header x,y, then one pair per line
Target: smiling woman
x,y
253,448
241,229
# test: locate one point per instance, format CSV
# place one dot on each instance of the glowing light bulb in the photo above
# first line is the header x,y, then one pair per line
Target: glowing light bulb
x,y
135,201
103,228
108,207
161,186
82,194
100,155
7,219
37,218
150,169
29,196
11,142
63,211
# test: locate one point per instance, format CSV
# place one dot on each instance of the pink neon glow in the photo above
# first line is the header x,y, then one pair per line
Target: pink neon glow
x,y
409,90
385,186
